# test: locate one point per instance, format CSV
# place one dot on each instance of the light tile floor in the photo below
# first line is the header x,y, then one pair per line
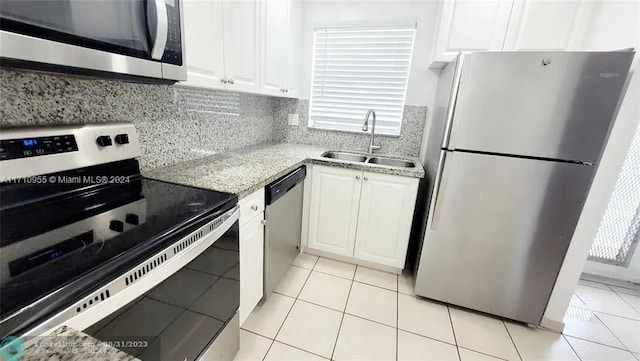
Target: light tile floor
x,y
329,310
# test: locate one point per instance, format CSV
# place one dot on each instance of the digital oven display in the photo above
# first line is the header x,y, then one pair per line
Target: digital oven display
x,y
33,147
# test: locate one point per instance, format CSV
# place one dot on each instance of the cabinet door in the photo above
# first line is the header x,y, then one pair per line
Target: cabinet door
x,y
333,213
470,25
203,55
294,51
384,221
274,46
241,44
547,24
251,265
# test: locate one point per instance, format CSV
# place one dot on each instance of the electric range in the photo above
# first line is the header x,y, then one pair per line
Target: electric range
x,y
88,242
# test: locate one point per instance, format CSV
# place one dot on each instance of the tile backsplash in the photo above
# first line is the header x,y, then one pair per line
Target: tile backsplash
x,y
174,123
407,144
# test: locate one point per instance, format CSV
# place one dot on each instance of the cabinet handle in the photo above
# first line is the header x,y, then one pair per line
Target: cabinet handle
x,y
254,207
264,222
366,178
358,177
286,91
223,81
231,81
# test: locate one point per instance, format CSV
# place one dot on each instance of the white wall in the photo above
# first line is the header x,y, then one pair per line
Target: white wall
x,y
615,25
319,13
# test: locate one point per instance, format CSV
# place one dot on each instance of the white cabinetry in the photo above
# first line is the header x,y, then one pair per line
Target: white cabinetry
x,y
508,25
251,235
470,25
384,221
547,25
281,29
203,55
222,44
244,45
363,216
241,44
333,213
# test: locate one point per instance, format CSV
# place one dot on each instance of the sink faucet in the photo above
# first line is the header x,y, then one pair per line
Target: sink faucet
x,y
365,128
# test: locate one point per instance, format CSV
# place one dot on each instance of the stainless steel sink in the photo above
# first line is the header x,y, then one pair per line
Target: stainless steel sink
x,y
392,162
345,156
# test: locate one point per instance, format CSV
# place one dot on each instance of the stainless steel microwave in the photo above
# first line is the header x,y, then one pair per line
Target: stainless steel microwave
x,y
139,39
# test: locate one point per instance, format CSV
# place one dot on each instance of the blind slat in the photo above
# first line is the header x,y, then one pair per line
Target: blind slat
x,y
358,69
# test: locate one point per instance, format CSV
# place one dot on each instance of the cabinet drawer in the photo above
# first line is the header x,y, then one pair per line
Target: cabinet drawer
x,y
251,206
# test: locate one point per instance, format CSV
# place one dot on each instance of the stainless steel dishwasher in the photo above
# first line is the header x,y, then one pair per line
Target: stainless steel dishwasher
x,y
283,215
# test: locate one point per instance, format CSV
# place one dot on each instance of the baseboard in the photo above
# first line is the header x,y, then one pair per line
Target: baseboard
x,y
352,260
551,325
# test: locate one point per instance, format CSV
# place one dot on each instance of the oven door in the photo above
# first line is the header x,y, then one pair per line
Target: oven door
x,y
135,37
179,304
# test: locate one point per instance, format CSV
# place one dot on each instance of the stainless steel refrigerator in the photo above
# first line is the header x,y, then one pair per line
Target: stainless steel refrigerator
x,y
512,149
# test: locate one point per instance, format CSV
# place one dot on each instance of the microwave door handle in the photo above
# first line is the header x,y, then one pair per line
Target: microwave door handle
x,y
158,23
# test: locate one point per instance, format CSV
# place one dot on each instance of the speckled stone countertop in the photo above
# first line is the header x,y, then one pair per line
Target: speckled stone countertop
x,y
245,170
67,344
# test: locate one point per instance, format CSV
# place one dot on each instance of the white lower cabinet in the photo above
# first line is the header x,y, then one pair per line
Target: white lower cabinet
x,y
362,215
384,220
333,213
251,235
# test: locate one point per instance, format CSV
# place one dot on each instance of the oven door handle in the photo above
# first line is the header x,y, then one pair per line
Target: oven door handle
x,y
158,23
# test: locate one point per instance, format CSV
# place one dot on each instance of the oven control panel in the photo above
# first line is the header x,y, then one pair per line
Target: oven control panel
x,y
37,146
39,150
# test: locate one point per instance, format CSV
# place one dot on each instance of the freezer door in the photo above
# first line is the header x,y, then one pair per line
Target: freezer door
x,y
512,103
498,232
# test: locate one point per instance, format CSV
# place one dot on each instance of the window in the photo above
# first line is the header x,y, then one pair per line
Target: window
x,y
356,69
619,231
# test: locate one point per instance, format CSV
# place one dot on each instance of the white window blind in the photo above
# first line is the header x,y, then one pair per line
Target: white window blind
x,y
356,69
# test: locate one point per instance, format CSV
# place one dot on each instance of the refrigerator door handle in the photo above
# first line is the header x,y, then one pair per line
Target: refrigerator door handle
x,y
439,189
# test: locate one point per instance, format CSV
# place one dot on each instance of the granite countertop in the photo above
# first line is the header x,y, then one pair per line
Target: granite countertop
x,y
246,170
70,345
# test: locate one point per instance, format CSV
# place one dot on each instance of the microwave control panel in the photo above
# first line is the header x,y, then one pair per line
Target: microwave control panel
x,y
173,49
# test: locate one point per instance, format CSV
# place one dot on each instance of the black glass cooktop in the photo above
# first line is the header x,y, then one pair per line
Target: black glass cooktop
x,y
75,237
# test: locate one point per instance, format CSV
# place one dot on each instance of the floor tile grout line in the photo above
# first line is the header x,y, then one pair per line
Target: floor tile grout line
x,y
627,302
611,314
288,313
597,343
613,333
512,341
453,330
624,348
571,346
481,352
397,316
269,349
301,349
342,318
428,337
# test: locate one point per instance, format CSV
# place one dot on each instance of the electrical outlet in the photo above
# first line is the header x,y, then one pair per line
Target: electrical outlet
x,y
294,119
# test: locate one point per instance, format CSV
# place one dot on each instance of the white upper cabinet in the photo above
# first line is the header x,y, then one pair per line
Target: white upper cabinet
x,y
509,25
333,213
222,41
294,51
547,25
204,56
281,37
275,20
241,20
467,25
384,221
